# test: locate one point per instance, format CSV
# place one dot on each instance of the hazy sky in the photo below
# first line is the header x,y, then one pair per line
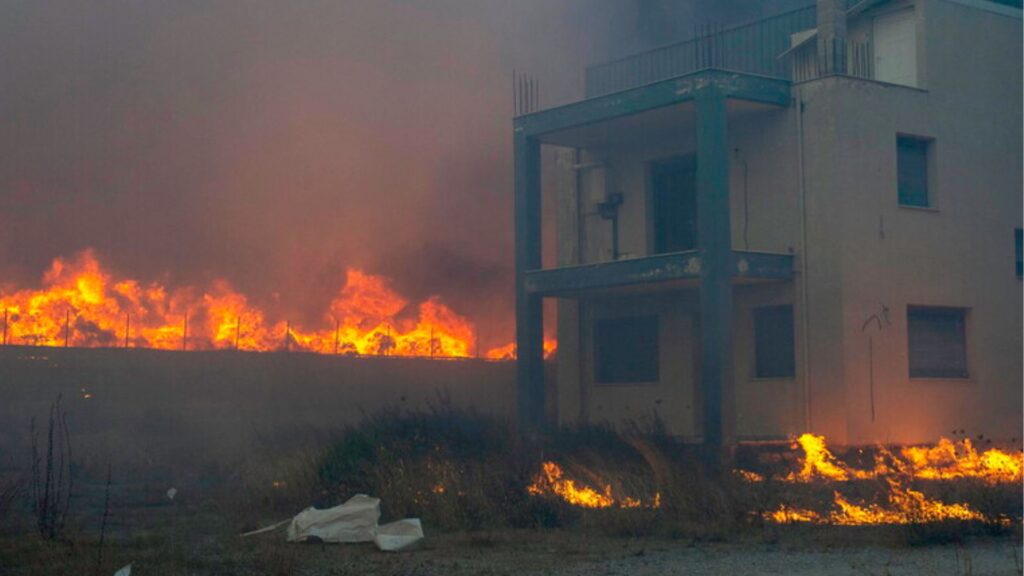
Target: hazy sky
x,y
273,143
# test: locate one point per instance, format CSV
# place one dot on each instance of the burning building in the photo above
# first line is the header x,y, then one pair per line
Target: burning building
x,y
810,222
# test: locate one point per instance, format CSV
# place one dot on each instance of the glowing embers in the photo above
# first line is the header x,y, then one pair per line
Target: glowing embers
x,y
552,481
894,473
83,305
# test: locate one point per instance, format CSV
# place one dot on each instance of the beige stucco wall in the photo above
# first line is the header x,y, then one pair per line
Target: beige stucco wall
x,y
960,253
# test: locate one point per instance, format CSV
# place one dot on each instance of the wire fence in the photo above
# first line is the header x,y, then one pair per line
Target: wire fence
x,y
125,338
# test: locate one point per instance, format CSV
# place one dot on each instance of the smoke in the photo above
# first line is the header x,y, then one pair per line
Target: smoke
x,y
275,143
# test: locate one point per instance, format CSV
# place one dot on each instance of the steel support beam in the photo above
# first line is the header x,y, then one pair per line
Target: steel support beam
x,y
715,244
529,312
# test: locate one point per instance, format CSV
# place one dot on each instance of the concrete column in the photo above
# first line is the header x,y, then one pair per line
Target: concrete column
x,y
568,381
529,312
715,243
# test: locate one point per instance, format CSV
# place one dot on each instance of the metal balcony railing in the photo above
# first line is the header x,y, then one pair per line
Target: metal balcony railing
x,y
841,57
752,48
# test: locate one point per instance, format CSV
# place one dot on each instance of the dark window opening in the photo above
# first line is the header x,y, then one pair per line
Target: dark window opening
x,y
912,167
937,342
773,342
626,349
674,205
1018,247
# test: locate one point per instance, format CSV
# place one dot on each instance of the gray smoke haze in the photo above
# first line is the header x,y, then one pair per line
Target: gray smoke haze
x,y
273,143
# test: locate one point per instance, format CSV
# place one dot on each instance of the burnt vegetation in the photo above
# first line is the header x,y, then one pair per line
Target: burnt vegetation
x,y
52,479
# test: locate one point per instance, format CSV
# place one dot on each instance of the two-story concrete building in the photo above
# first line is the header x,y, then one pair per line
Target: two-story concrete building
x,y
807,223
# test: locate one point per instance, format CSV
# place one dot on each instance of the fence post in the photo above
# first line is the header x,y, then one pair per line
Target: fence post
x,y
337,328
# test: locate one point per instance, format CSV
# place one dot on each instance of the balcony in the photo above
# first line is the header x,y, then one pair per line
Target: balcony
x,y
752,48
670,271
781,47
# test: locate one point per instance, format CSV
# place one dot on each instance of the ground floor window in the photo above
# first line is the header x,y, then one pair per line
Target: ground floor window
x,y
773,342
626,349
937,342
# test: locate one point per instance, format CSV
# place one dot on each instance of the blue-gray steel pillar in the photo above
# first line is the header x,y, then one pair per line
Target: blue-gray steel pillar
x,y
529,312
715,243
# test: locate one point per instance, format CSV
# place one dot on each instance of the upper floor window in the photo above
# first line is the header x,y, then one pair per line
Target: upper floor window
x,y
894,35
626,349
937,342
773,342
912,170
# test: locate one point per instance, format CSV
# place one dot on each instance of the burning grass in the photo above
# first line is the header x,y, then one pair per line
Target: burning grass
x,y
465,472
911,485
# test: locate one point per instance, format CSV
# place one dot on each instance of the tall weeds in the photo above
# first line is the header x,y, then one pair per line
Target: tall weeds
x,y
52,480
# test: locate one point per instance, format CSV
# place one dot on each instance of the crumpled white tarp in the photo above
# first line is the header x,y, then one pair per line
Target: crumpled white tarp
x,y
354,521
399,535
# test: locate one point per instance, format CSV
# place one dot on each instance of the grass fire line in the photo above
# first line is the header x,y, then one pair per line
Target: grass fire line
x,y
946,461
894,470
81,304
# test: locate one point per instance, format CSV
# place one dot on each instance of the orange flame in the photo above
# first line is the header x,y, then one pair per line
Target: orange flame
x,y
83,305
905,506
818,462
948,460
944,461
552,480
508,351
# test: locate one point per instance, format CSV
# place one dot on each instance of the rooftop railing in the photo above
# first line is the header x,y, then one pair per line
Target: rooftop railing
x,y
752,48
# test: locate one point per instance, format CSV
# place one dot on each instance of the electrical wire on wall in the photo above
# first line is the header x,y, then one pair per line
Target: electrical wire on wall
x,y
746,201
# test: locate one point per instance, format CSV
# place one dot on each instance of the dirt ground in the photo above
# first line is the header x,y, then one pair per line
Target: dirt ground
x,y
205,544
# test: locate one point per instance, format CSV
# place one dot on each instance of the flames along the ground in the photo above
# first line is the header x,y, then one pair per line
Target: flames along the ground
x,y
945,461
81,304
552,480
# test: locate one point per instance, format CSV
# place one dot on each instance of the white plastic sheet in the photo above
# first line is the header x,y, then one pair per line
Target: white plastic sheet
x,y
354,521
399,535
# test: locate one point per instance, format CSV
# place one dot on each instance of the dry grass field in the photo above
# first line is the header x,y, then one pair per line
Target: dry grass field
x,y
620,503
